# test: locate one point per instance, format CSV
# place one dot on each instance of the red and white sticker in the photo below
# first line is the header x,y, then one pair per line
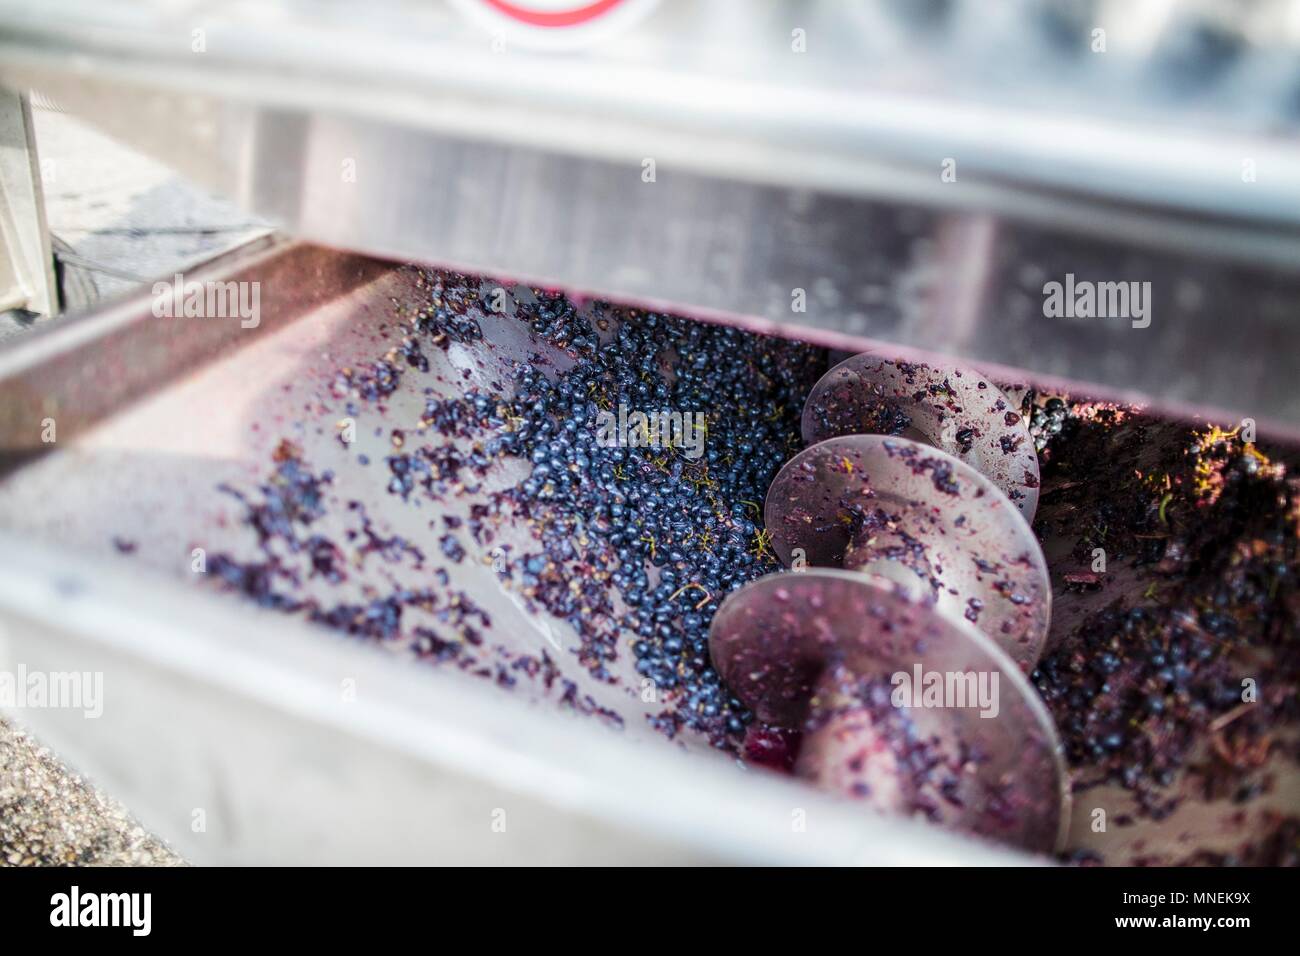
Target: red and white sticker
x,y
555,23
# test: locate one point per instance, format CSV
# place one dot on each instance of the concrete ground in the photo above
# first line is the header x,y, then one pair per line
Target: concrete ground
x,y
117,219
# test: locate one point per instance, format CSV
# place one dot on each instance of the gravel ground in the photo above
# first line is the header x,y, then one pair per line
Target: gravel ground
x,y
49,816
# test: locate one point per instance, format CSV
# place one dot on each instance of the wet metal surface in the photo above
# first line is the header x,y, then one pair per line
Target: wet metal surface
x,y
820,649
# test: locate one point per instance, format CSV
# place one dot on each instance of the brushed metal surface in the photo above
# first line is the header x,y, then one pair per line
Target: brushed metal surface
x,y
402,133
